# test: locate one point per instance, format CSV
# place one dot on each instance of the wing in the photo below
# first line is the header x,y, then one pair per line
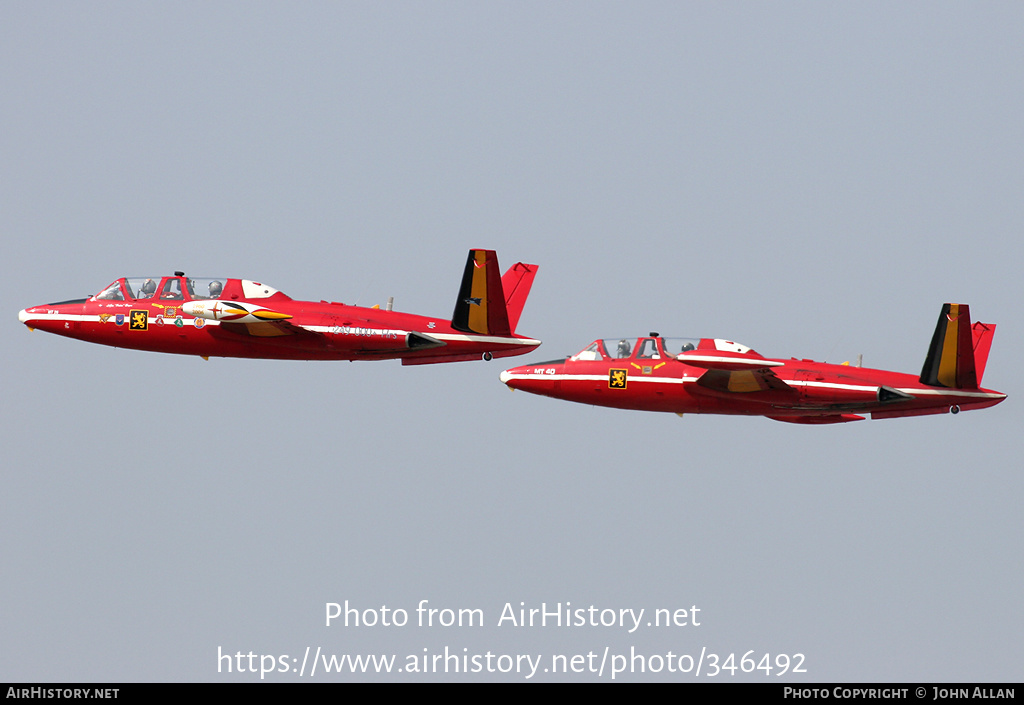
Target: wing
x,y
742,381
268,329
302,336
735,372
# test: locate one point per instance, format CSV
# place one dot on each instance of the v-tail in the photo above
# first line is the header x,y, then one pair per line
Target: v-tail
x,y
489,303
958,351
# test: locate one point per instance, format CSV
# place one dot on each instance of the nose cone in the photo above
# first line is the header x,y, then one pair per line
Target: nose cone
x,y
30,317
516,377
62,318
538,378
194,308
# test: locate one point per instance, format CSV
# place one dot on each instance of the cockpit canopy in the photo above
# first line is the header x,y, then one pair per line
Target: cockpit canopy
x,y
182,288
652,347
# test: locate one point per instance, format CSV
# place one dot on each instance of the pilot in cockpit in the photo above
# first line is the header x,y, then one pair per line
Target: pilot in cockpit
x,y
147,289
215,289
111,293
648,349
623,349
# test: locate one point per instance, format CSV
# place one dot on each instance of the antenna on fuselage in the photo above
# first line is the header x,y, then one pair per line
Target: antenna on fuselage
x,y
860,360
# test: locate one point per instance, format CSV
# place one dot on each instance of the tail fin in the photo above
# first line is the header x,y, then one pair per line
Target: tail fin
x,y
516,284
487,304
480,307
983,333
959,351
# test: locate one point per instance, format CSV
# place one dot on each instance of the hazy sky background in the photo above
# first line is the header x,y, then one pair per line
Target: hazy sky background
x,y
810,179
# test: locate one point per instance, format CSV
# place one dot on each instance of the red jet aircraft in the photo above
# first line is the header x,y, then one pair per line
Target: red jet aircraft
x,y
239,318
714,376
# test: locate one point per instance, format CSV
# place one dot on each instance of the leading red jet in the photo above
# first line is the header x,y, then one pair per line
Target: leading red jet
x,y
715,376
240,318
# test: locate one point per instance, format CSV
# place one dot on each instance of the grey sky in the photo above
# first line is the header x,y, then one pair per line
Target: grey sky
x,y
810,179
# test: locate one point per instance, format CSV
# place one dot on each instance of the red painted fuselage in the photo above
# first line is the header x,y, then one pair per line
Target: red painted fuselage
x,y
221,317
714,376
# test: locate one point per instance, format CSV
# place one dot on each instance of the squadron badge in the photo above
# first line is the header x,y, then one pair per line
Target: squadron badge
x,y
138,319
617,379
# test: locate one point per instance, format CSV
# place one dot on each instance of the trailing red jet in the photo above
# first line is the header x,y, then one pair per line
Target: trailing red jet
x,y
240,318
715,376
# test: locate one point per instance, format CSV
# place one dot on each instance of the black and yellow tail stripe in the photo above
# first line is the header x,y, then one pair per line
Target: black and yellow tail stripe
x,y
950,361
480,307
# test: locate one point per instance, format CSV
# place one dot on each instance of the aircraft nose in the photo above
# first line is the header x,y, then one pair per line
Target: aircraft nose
x,y
516,377
538,378
508,377
27,318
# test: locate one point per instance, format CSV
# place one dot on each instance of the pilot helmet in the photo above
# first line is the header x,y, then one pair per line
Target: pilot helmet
x,y
216,288
149,287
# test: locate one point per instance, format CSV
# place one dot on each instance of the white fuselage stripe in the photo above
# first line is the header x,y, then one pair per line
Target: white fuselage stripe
x,y
793,383
499,340
26,317
95,317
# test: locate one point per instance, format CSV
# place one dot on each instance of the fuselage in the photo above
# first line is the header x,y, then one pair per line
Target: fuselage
x,y
223,317
714,376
